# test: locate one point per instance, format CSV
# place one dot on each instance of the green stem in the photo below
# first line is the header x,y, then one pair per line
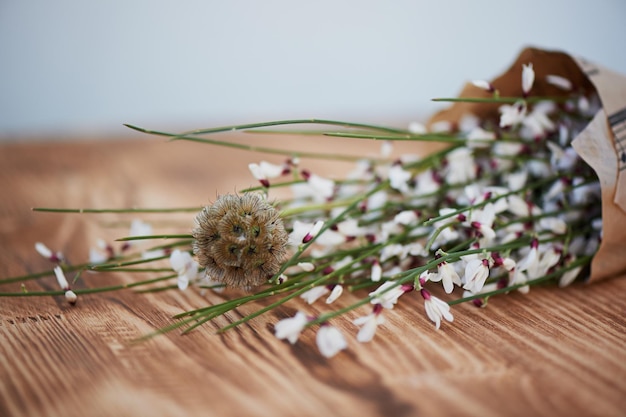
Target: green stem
x,y
150,237
248,126
262,149
87,290
122,210
405,137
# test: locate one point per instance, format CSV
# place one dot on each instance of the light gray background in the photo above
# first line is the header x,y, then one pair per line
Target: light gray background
x,y
75,68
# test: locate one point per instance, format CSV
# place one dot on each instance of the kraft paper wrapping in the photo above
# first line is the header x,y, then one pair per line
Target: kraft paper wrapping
x,y
602,144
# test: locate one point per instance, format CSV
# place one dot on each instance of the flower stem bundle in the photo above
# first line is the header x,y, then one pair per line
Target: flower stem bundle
x,y
506,204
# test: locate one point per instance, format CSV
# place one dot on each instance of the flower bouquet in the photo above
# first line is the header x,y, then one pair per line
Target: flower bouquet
x,y
521,188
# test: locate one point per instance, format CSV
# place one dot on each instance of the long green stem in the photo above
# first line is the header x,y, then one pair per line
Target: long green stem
x,y
117,210
87,290
262,149
327,122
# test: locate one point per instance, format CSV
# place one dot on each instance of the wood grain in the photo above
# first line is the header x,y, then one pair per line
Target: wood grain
x,y
549,353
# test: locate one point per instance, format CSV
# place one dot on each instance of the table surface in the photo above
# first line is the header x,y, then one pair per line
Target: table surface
x,y
551,352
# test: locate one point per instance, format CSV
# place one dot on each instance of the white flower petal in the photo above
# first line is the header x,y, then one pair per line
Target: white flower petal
x,y
43,250
560,82
334,294
71,296
290,328
61,278
314,294
306,266
377,272
330,341
368,324
528,77
485,85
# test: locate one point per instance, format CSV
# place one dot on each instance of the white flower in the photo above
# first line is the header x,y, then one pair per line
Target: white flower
x,y
553,224
441,126
334,294
304,232
369,324
386,148
350,228
476,273
330,238
545,262
516,277
406,217
58,272
482,220
389,228
398,178
330,341
531,258
584,193
511,115
480,138
562,159
416,249
306,266
387,294
446,232
44,251
528,78
264,171
323,187
315,293
70,295
447,275
516,180
461,166
101,253
377,200
377,272
537,124
417,128
468,123
315,229
185,266
391,250
560,82
482,84
568,277
139,228
426,184
556,190
436,309
520,207
291,328
268,170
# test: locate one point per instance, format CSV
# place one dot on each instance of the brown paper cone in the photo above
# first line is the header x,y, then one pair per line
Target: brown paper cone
x,y
602,144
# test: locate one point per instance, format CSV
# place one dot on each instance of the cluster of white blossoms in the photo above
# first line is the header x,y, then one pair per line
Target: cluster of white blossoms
x,y
508,205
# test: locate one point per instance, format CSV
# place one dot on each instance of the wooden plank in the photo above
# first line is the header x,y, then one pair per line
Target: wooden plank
x,y
551,352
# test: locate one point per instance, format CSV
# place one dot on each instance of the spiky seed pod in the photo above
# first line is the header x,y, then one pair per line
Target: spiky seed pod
x,y
240,240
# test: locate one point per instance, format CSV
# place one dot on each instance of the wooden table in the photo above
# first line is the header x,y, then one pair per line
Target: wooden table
x,y
549,353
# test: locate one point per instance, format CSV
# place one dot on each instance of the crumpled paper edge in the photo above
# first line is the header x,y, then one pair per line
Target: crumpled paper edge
x,y
602,144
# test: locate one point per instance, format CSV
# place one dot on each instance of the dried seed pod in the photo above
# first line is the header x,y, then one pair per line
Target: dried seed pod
x,y
240,240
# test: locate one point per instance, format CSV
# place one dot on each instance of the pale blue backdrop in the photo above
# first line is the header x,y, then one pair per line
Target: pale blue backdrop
x,y
75,68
